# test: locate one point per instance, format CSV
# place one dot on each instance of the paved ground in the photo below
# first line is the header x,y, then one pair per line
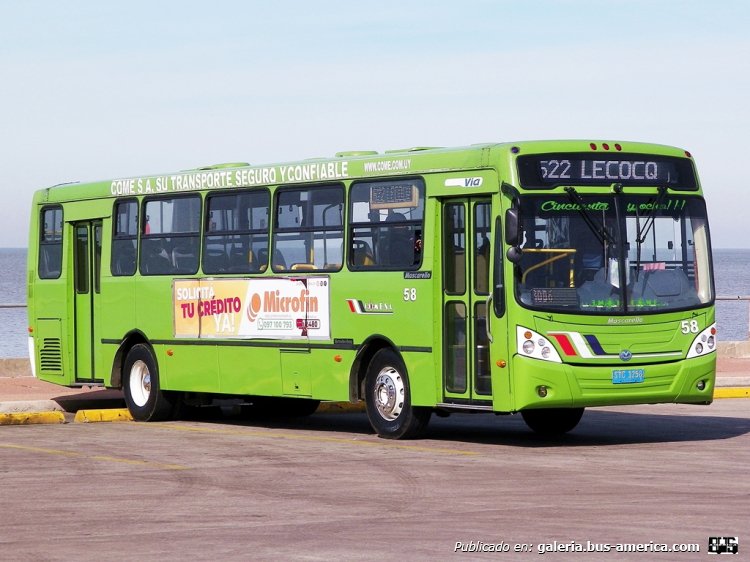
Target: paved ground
x,y
326,488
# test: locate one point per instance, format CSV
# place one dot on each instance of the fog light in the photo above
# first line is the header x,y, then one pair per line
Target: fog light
x,y
528,347
701,385
541,391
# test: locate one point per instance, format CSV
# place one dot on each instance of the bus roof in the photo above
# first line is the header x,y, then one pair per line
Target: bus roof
x,y
348,165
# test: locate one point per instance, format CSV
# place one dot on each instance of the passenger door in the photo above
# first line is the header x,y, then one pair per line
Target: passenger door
x,y
466,232
86,295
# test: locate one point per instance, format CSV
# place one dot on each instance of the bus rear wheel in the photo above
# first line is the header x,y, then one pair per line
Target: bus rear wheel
x,y
143,395
388,399
552,421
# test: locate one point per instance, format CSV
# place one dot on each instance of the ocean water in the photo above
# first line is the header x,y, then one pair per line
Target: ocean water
x,y
732,278
13,323
731,273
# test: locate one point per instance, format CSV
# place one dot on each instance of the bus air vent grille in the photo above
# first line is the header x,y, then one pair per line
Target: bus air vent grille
x,y
50,356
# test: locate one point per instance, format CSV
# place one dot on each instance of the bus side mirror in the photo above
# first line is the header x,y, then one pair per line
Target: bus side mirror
x,y
512,235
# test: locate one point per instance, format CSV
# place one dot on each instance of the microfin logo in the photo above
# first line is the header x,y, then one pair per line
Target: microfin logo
x,y
276,301
253,307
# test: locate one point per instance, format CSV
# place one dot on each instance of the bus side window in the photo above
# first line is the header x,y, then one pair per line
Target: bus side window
x,y
50,243
309,229
498,290
385,224
125,238
236,229
170,238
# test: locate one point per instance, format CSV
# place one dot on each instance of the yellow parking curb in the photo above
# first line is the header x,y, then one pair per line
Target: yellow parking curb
x,y
732,392
27,418
90,416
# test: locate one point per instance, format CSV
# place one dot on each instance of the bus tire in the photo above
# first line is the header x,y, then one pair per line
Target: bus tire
x,y
141,387
388,398
552,421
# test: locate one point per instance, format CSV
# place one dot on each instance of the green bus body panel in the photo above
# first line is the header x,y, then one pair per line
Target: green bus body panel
x,y
142,307
86,210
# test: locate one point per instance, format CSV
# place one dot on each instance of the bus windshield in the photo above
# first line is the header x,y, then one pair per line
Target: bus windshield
x,y
614,254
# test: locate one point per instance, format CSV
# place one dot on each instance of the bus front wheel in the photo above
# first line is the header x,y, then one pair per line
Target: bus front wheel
x,y
143,395
552,421
388,399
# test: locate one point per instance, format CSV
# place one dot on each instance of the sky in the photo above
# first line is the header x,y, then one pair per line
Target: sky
x,y
94,90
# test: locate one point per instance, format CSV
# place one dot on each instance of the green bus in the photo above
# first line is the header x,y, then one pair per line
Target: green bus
x,y
537,278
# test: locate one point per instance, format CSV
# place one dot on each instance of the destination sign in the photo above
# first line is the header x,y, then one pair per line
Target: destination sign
x,y
393,196
540,171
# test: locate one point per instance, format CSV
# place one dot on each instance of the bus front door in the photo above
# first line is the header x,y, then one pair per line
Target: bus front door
x,y
466,273
86,292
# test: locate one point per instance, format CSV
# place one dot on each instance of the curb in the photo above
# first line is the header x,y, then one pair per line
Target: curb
x,y
29,406
732,392
732,382
29,418
113,415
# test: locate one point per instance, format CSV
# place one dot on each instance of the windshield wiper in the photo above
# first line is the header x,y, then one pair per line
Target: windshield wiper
x,y
602,234
642,232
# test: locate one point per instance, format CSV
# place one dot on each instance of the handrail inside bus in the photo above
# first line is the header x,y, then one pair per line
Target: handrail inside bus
x,y
562,251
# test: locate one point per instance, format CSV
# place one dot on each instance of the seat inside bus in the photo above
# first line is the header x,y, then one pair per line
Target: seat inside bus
x,y
395,246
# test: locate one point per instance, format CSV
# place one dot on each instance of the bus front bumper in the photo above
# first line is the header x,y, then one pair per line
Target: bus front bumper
x,y
541,384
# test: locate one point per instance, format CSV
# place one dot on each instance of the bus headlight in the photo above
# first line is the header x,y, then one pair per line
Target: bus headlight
x,y
532,344
704,343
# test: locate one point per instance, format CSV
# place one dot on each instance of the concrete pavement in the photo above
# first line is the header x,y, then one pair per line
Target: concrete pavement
x,y
326,488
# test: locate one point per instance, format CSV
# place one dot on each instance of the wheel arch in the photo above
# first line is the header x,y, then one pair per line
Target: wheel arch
x,y
366,352
131,339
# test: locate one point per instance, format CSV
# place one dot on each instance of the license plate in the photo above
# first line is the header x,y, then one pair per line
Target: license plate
x,y
628,376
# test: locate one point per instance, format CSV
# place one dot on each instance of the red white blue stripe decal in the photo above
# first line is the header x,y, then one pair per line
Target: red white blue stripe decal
x,y
587,346
358,307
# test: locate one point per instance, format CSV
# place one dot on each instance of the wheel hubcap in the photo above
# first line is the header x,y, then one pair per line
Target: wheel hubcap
x,y
140,383
389,393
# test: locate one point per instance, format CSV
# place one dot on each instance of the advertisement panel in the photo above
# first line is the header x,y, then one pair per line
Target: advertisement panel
x,y
258,308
